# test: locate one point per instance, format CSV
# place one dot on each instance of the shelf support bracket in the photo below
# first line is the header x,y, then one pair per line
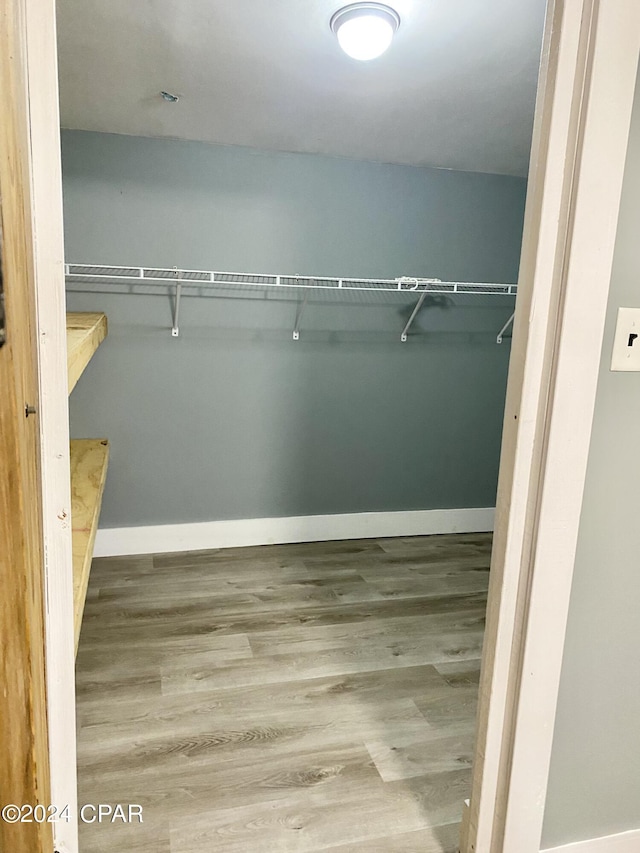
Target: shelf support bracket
x,y
175,329
418,306
504,328
302,306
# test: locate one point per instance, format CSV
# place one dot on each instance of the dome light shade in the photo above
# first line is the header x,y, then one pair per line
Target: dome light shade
x,y
365,30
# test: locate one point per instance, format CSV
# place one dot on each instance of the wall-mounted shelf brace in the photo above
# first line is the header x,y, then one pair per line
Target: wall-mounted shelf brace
x,y
181,283
504,328
303,305
175,328
414,314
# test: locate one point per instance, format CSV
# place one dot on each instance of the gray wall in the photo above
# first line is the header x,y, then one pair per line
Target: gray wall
x,y
594,787
234,420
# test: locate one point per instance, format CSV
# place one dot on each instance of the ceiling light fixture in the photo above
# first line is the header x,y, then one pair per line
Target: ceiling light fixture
x,y
365,30
167,96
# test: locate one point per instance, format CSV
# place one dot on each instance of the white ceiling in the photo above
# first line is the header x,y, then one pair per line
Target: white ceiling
x,y
455,90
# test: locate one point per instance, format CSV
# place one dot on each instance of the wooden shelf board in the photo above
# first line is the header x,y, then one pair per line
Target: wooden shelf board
x,y
85,333
89,459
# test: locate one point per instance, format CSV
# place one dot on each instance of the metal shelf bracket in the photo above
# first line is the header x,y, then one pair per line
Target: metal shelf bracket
x,y
301,307
175,328
504,328
418,306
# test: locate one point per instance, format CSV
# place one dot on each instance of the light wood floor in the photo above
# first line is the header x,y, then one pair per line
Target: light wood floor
x,y
286,698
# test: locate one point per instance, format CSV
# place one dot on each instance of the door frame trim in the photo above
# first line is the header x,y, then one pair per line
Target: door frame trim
x,y
47,226
24,745
583,115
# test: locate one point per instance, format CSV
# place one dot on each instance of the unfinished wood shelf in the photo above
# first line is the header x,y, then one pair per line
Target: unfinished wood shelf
x,y
85,333
89,459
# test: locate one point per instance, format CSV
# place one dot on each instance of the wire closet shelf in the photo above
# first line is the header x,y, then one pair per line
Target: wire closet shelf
x,y
181,282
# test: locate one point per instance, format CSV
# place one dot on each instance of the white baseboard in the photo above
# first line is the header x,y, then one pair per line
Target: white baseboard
x,y
200,536
623,842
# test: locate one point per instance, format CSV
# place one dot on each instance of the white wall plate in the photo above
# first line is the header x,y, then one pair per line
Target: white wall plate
x,y
626,343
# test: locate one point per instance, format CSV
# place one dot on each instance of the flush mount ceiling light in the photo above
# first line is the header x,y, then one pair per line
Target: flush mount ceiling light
x,y
365,30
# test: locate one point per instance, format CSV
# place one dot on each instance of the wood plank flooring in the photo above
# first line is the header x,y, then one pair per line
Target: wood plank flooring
x,y
283,699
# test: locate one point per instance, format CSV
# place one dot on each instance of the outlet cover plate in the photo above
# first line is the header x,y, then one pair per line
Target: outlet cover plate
x,y
626,343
